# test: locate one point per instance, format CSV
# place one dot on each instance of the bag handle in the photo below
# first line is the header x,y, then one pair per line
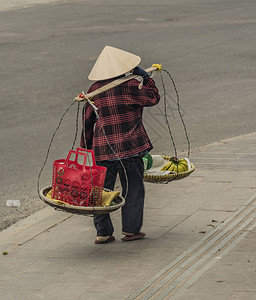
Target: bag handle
x,y
85,151
82,154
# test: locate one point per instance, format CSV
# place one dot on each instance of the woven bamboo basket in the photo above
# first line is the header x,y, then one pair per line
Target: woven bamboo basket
x,y
81,210
169,177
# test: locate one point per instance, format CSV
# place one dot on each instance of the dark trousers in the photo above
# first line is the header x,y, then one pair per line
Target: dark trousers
x,y
132,211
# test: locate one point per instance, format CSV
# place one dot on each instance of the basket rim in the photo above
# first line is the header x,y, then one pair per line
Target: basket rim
x,y
168,177
80,209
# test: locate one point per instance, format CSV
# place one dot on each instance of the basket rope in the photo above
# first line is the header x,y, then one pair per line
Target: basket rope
x,y
50,145
172,176
178,108
118,158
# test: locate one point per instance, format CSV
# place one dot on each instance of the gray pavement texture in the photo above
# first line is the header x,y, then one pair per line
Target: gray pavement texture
x,y
200,241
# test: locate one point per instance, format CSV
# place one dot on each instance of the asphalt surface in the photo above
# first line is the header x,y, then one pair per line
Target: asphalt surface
x,y
48,50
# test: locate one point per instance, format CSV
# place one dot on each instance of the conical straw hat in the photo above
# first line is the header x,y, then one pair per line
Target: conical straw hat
x,y
113,62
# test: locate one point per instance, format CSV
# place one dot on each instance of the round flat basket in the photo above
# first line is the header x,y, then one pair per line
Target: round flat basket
x,y
168,177
82,210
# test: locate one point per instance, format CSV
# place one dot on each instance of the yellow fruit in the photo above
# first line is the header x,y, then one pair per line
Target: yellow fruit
x,y
172,167
176,165
166,166
183,163
181,168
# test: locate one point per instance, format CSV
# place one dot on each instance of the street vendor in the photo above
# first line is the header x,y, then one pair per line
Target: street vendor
x,y
118,137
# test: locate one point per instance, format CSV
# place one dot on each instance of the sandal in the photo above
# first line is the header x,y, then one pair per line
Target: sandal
x,y
133,237
108,240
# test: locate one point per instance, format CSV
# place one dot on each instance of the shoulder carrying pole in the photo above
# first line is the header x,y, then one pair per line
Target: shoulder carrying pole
x,y
115,83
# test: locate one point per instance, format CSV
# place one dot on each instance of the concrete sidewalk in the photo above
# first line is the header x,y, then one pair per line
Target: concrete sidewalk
x,y
200,241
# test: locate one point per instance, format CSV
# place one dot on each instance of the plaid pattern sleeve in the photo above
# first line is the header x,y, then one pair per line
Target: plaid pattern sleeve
x,y
120,123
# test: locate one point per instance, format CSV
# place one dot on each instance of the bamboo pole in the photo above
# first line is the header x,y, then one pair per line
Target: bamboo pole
x,y
113,84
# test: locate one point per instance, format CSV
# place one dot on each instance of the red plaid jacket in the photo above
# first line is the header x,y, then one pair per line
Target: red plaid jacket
x,y
120,111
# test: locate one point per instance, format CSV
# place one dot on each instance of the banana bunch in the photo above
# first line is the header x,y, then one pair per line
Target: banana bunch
x,y
176,165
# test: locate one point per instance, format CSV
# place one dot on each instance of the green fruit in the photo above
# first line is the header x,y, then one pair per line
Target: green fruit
x,y
148,160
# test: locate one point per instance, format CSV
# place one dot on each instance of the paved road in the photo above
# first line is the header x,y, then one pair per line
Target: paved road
x,y
48,50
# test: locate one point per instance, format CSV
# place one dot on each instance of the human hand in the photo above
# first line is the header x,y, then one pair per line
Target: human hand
x,y
139,71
